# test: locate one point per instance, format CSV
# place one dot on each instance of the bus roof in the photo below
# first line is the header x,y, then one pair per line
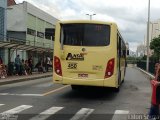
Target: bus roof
x,y
87,21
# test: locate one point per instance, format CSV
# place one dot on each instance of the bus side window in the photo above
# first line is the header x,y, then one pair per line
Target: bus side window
x,y
123,49
120,47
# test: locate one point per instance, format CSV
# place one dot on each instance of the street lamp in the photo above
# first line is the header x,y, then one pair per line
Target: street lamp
x,y
147,63
90,15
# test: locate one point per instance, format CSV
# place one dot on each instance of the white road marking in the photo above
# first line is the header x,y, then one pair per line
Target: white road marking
x,y
30,94
120,115
17,109
82,114
4,93
47,113
1,104
21,94
44,85
121,112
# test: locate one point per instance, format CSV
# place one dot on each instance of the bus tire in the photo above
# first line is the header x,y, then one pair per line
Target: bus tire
x,y
124,75
117,89
75,87
123,81
119,83
119,78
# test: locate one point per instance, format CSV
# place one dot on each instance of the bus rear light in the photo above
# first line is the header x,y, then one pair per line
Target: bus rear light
x,y
57,66
109,68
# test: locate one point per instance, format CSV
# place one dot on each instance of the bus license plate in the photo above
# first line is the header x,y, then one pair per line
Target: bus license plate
x,y
83,75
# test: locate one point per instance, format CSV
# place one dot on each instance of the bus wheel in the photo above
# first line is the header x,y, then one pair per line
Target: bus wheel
x,y
123,81
75,87
119,83
117,89
124,75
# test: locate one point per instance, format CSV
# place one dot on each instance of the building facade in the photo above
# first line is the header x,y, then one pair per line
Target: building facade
x,y
3,19
154,31
32,26
141,49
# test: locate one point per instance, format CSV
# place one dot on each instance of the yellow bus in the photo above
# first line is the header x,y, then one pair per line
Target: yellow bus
x,y
89,53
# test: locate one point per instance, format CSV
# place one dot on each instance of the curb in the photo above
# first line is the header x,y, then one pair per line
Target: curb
x,y
24,79
145,72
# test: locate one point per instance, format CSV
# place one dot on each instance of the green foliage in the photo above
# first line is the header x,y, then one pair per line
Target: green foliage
x,y
154,58
131,60
144,57
155,45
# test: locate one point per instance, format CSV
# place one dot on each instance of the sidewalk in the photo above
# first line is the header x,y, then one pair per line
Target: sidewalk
x,y
14,79
146,73
149,75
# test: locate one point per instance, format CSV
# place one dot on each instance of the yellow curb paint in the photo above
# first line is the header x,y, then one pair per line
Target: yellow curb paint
x,y
52,91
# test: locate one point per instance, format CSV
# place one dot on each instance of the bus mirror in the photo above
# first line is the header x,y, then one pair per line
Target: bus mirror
x,y
127,52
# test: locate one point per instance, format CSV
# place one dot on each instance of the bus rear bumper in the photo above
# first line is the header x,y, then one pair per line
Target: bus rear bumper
x,y
109,82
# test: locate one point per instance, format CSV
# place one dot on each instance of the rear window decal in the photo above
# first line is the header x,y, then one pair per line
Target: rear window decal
x,y
79,57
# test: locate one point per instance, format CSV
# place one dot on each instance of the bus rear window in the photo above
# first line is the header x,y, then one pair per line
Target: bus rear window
x,y
85,34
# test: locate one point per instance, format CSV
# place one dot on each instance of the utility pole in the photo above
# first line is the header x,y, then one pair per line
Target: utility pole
x,y
147,63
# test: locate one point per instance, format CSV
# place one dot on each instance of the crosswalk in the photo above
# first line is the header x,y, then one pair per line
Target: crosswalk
x,y
1,104
81,114
17,109
47,113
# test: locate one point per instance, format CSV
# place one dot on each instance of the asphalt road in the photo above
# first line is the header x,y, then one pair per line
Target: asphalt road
x,y
41,99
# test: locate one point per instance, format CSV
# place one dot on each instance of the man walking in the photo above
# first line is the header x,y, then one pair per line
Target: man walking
x,y
17,64
48,62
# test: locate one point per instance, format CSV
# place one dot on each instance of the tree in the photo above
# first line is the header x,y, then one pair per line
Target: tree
x,y
155,45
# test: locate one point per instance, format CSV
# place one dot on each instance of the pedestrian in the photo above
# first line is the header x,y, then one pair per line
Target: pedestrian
x,y
30,63
1,68
1,61
39,66
22,68
27,68
48,63
17,64
154,110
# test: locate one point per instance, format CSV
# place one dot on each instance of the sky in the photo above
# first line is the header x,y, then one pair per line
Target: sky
x,y
131,16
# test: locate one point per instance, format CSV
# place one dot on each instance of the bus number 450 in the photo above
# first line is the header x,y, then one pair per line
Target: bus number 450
x,y
72,66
